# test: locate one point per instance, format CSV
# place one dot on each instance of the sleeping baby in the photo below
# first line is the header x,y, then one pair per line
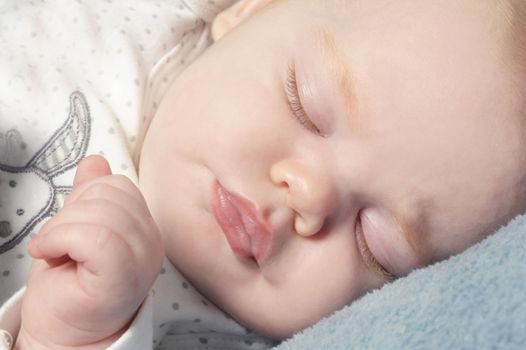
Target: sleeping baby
x,y
316,151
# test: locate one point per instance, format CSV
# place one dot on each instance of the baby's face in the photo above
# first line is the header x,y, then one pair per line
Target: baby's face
x,y
320,150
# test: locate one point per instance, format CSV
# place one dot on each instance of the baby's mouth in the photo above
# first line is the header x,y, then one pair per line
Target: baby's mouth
x,y
246,233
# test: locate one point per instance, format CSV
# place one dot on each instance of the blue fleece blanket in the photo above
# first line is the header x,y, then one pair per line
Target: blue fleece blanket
x,y
475,300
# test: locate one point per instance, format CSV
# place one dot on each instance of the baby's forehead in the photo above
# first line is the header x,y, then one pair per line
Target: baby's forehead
x,y
428,56
439,33
495,15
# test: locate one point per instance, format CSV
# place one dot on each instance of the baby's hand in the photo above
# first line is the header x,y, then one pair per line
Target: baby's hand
x,y
96,260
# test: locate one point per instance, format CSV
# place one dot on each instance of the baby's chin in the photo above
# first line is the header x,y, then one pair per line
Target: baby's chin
x,y
269,320
283,327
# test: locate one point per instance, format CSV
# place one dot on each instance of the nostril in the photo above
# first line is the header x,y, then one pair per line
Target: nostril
x,y
283,184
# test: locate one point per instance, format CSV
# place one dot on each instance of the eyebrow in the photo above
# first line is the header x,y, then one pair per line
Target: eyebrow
x,y
333,59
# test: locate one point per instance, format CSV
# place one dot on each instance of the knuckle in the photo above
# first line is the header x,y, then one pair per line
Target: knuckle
x,y
124,182
103,237
94,190
94,210
98,206
106,239
120,178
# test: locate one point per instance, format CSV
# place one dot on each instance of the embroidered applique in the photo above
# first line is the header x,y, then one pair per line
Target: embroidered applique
x,y
28,193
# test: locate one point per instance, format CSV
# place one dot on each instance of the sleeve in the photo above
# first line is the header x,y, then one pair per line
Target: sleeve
x,y
139,336
10,319
6,340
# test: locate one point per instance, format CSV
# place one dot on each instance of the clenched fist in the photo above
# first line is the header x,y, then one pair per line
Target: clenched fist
x,y
95,262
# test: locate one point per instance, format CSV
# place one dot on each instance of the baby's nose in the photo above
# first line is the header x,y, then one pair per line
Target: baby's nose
x,y
311,193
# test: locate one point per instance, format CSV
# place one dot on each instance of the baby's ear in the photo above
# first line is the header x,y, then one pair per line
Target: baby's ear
x,y
231,17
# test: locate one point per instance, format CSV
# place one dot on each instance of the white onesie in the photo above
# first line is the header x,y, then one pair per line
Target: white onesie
x,y
84,77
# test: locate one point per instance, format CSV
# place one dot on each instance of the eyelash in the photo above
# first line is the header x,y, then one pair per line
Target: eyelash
x,y
368,256
291,89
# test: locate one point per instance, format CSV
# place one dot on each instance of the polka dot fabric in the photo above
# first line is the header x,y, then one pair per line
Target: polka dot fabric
x,y
104,49
82,77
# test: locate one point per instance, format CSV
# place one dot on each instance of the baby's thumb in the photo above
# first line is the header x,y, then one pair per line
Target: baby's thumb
x,y
90,168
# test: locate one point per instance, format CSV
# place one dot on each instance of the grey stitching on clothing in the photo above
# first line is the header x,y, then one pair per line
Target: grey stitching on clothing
x,y
47,164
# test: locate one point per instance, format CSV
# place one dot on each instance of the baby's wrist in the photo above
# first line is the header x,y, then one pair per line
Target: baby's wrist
x,y
25,341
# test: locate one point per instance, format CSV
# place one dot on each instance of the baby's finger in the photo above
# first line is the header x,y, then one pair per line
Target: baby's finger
x,y
137,233
118,181
90,168
96,247
129,202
